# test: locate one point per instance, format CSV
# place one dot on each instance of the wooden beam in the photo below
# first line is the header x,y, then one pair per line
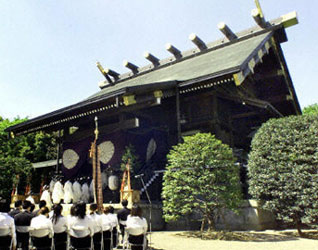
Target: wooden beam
x,y
289,19
112,73
173,50
244,115
197,41
129,100
101,69
256,14
131,66
229,34
123,124
154,60
278,52
268,75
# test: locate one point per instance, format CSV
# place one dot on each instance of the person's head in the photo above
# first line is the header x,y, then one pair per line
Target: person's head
x,y
4,205
73,210
57,209
136,211
57,212
26,205
93,208
18,204
81,210
124,203
107,210
42,203
44,211
32,207
111,209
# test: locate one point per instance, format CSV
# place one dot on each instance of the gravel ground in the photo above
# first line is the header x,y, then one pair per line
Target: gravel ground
x,y
265,240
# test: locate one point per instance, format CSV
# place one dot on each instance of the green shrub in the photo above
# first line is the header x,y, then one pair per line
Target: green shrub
x,y
283,168
201,177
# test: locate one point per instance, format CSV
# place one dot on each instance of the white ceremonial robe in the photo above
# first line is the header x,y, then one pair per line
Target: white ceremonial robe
x,y
85,193
68,192
58,193
52,183
30,199
46,197
77,192
91,190
104,180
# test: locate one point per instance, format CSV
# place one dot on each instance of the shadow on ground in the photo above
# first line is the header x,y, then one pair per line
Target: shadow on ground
x,y
248,236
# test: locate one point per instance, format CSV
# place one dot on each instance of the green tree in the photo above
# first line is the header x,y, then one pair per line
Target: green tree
x,y
311,109
131,156
283,168
201,177
16,155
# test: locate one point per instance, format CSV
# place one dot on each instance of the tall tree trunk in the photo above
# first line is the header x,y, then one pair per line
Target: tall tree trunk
x,y
202,224
297,222
211,223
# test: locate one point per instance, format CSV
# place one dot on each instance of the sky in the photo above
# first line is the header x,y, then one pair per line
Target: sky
x,y
49,49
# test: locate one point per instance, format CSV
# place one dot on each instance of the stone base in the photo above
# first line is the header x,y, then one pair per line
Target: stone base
x,y
250,217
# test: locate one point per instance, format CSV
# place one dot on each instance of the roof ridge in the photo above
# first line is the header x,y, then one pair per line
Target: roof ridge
x,y
210,46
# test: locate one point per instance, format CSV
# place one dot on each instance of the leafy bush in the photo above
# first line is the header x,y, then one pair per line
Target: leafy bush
x,y
283,168
311,109
201,177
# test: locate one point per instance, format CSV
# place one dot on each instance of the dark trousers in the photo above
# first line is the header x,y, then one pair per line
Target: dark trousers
x,y
97,238
23,240
5,242
60,241
136,239
43,243
81,243
114,237
122,230
107,239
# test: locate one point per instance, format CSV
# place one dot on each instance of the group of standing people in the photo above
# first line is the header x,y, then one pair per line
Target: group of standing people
x,y
79,226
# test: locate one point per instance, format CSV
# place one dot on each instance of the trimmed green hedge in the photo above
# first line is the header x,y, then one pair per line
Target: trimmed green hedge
x,y
283,168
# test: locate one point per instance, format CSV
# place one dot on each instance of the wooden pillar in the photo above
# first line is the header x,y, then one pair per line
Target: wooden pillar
x,y
215,115
58,152
178,114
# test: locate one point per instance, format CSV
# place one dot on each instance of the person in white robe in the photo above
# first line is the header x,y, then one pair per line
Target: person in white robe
x,y
46,197
58,193
91,190
85,193
51,186
68,192
77,191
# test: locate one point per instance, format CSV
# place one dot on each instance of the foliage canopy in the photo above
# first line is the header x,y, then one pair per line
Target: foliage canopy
x,y
16,155
283,168
311,109
201,177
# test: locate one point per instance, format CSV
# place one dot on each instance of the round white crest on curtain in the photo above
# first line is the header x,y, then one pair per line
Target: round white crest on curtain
x,y
70,158
113,182
107,150
151,149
